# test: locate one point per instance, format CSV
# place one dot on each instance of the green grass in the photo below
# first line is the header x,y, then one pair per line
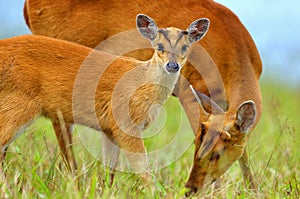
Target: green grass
x,y
32,165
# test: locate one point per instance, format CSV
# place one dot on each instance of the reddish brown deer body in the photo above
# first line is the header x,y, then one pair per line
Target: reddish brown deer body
x,y
38,74
228,71
220,140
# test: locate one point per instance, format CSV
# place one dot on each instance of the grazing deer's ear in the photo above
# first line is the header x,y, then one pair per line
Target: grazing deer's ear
x,y
225,135
246,116
208,105
198,29
210,139
146,26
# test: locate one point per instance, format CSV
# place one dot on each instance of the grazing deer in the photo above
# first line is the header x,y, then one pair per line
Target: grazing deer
x,y
41,76
226,67
220,140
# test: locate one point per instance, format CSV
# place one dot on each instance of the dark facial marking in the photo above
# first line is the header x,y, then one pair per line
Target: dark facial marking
x,y
160,47
164,32
202,132
214,157
181,34
184,48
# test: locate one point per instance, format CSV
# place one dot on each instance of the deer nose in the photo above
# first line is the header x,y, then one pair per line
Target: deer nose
x,y
191,189
172,67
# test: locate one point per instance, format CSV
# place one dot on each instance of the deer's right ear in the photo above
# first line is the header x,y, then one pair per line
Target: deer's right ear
x,y
146,26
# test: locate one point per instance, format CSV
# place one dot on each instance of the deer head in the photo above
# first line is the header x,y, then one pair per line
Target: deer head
x,y
171,44
219,142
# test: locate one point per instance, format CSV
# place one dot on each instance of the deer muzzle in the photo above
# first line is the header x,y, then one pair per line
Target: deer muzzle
x,y
172,67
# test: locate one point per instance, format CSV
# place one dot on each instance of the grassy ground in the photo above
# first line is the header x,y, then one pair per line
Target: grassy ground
x,y
33,161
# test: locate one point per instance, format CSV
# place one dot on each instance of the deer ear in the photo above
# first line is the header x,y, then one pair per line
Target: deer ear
x,y
210,139
246,116
198,29
146,26
208,105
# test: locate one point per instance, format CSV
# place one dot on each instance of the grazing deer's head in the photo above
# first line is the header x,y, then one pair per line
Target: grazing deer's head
x,y
219,142
171,44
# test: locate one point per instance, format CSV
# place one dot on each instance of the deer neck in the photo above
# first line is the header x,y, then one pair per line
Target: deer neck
x,y
162,82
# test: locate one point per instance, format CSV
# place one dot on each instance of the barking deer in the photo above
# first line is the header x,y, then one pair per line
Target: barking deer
x,y
223,134
41,76
227,68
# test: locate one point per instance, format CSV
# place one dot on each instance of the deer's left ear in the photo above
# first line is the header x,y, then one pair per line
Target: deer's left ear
x,y
198,29
246,116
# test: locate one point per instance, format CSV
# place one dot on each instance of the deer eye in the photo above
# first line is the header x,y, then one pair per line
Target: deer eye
x,y
202,132
214,158
160,47
184,48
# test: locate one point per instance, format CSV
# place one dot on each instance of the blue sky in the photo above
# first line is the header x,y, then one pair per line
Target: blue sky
x,y
274,26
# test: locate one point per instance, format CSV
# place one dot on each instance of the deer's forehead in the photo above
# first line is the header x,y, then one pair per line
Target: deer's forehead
x,y
217,126
172,36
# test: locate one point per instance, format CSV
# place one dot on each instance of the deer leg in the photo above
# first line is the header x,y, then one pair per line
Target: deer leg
x,y
217,184
2,174
3,182
244,164
14,119
3,155
111,153
134,149
64,138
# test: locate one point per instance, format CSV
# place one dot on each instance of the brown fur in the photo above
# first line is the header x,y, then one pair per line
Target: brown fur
x,y
41,79
228,46
69,83
220,141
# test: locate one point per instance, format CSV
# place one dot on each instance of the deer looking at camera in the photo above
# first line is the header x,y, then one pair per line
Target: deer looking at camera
x,y
42,76
227,69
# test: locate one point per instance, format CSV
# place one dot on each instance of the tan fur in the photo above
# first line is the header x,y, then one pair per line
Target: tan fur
x,y
228,45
